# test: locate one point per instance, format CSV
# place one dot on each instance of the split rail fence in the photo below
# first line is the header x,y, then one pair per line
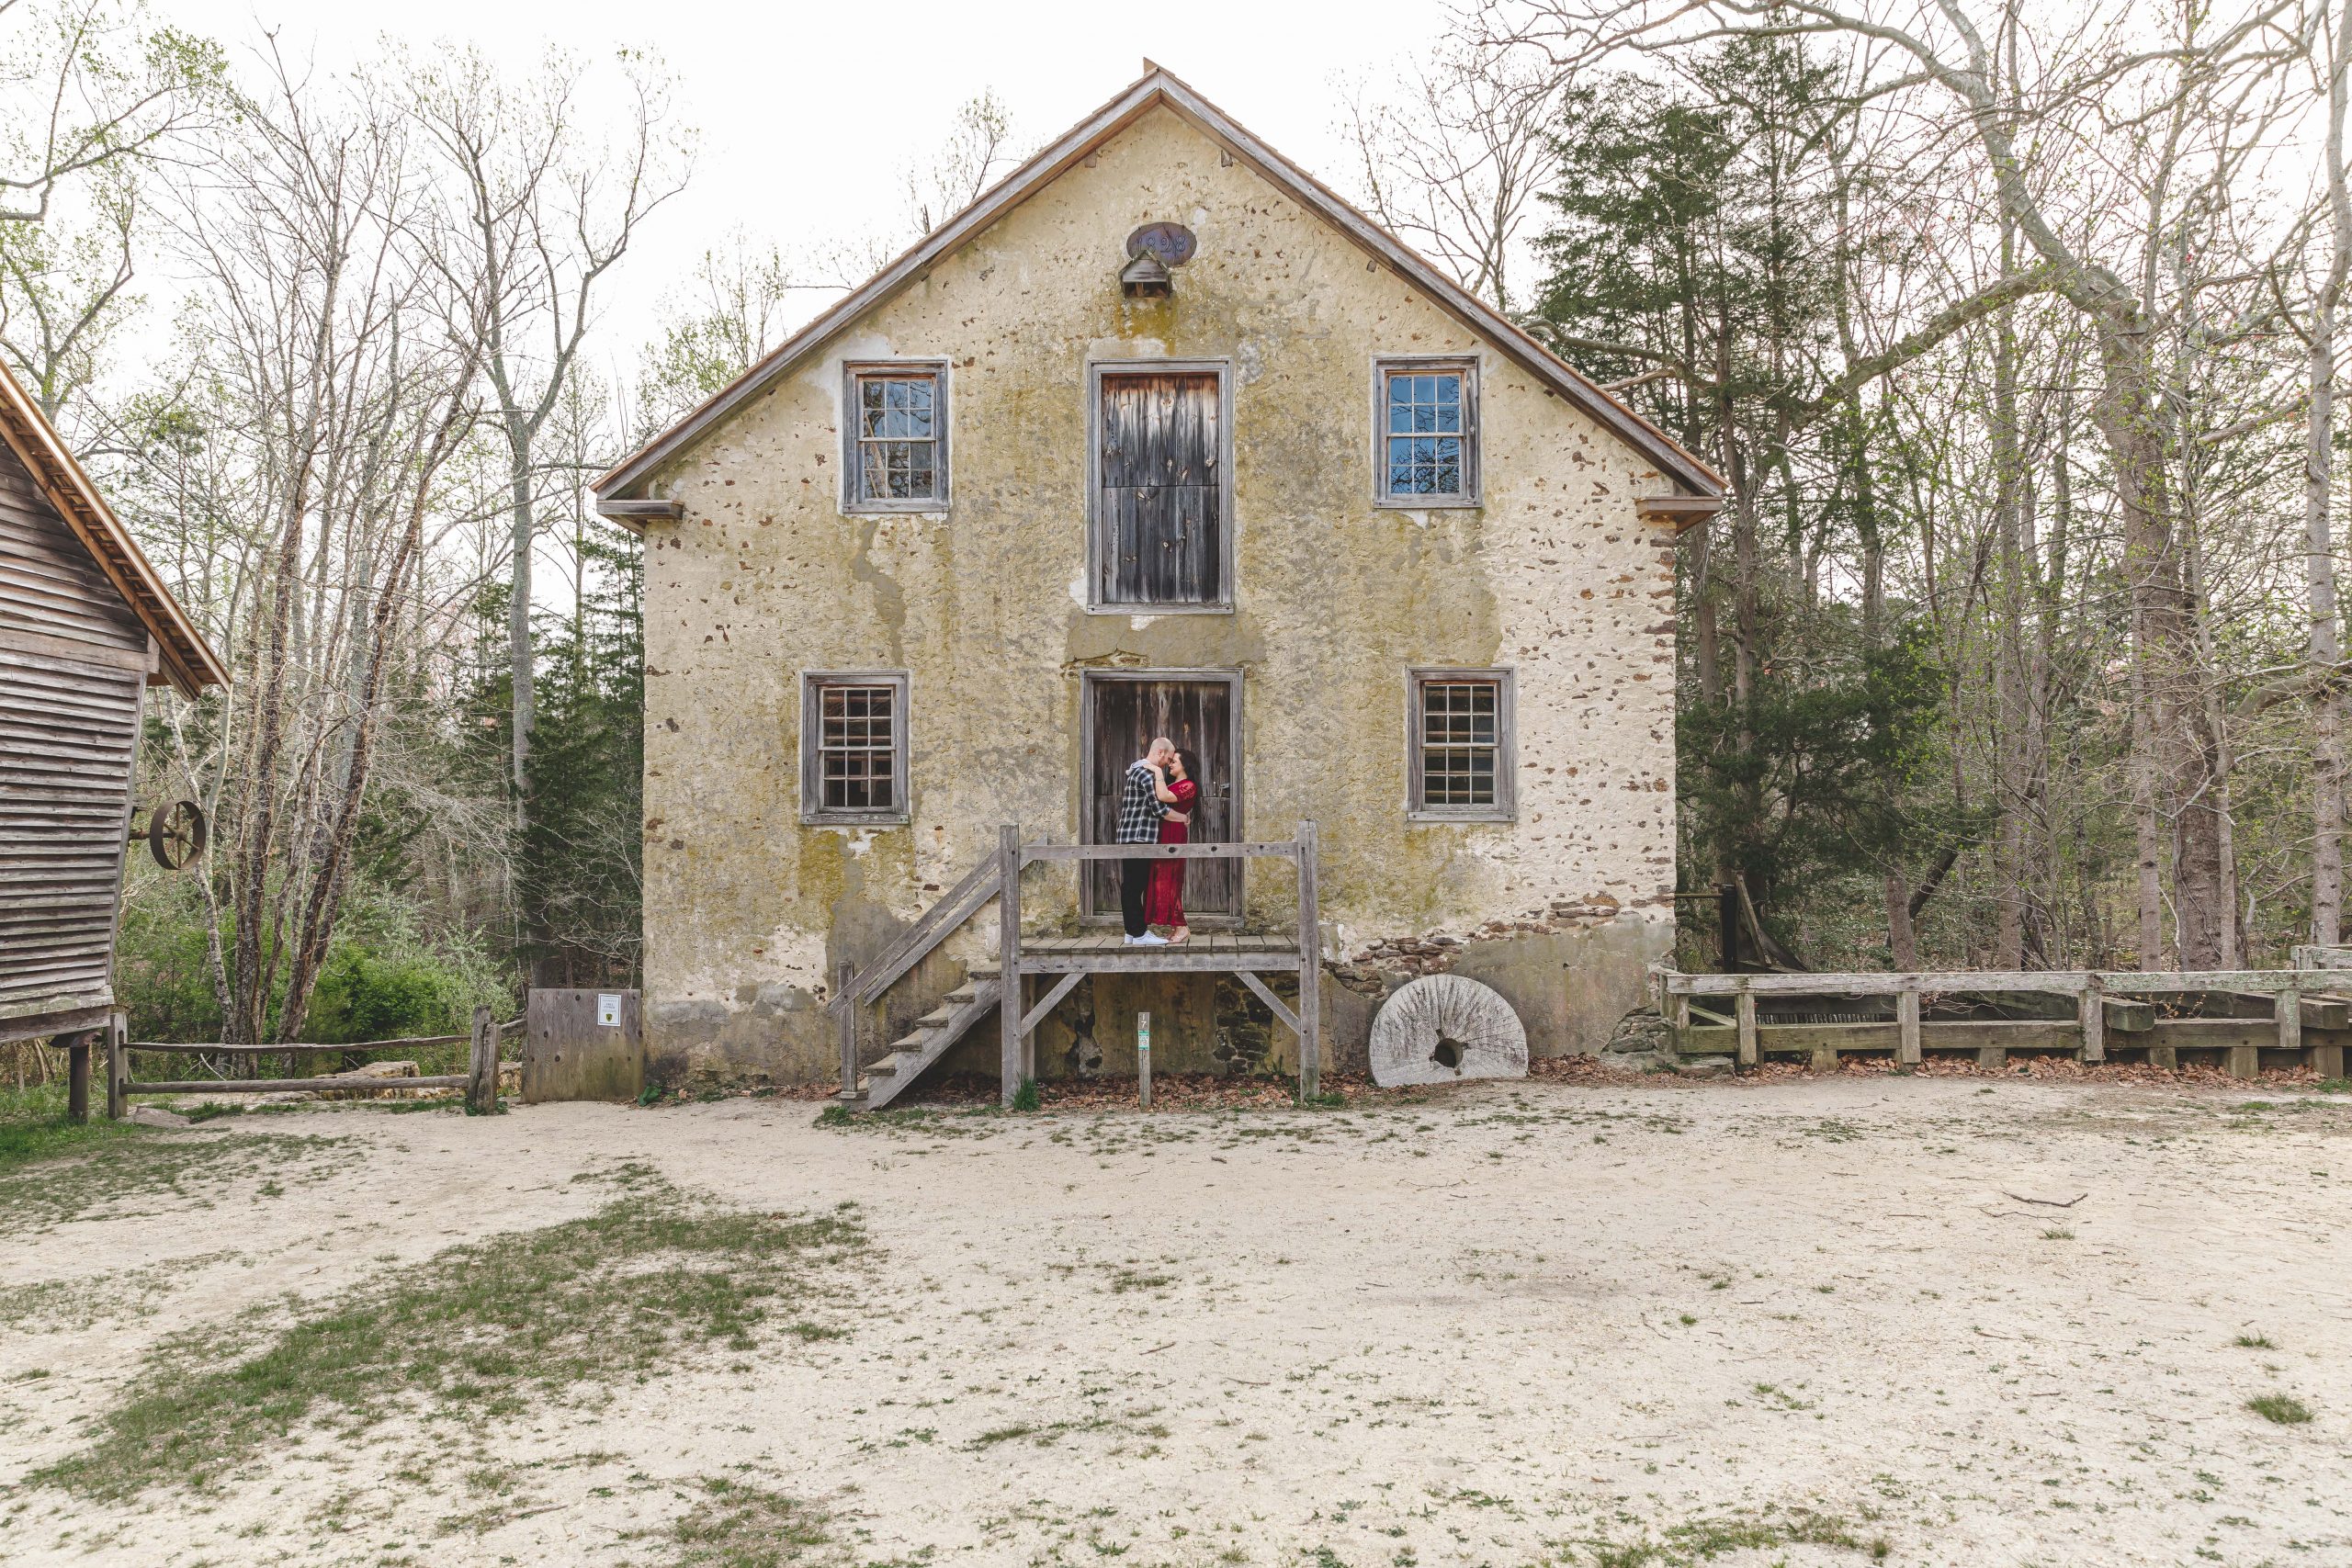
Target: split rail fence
x,y
2244,1019
479,1080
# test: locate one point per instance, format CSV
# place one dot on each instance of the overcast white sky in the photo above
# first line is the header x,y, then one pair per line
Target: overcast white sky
x,y
807,113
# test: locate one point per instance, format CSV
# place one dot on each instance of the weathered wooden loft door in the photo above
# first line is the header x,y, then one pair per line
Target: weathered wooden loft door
x,y
1197,714
1160,509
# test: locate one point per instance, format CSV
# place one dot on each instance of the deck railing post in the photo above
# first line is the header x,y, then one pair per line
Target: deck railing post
x,y
844,976
1906,1030
1310,969
1009,993
1745,1011
2287,1006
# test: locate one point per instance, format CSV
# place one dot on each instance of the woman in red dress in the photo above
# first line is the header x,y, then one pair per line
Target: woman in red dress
x,y
1179,790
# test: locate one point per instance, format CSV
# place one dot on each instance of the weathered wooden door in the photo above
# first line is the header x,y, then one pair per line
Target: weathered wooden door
x,y
1158,513
1197,713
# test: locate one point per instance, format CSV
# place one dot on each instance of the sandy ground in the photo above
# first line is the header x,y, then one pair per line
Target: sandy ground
x,y
1516,1324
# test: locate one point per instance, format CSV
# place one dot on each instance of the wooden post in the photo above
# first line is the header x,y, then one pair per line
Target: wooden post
x,y
1143,1059
481,1066
117,1064
1745,1008
844,973
77,1077
1907,1023
1310,969
2288,1008
1010,994
2091,1008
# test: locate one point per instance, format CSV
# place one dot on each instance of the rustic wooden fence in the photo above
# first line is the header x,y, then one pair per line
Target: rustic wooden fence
x,y
479,1080
2301,1015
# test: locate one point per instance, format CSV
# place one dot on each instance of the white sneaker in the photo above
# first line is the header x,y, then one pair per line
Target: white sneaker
x,y
1147,940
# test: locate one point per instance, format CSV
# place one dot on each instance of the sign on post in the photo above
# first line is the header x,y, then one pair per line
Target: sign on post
x,y
608,1009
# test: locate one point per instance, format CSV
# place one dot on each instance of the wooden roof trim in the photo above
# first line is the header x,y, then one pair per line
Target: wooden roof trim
x,y
185,659
1157,86
1683,513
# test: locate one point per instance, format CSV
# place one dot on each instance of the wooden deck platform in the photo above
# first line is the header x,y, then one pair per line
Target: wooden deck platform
x,y
1106,952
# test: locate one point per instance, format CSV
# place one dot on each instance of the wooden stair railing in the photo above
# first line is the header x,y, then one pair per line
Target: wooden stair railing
x,y
937,924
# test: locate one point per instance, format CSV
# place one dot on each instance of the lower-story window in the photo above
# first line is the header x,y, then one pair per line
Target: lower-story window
x,y
854,746
1461,765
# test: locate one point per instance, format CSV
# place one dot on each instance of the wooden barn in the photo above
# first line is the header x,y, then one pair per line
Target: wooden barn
x,y
86,625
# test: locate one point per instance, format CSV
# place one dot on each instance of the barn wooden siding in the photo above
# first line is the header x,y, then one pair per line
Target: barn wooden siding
x,y
74,661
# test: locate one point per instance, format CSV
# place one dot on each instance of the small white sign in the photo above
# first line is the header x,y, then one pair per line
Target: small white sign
x,y
608,1009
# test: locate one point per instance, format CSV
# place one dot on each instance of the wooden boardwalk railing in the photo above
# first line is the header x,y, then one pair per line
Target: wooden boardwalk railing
x,y
2309,1011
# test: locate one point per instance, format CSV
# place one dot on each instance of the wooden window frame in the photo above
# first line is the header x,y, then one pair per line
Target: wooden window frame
x,y
1096,370
1088,679
1473,441
855,501
1506,802
815,815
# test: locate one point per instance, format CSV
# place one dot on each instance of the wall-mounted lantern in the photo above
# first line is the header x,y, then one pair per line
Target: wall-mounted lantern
x,y
1152,251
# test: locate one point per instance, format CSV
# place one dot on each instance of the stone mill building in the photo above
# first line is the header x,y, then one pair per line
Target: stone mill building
x,y
1159,437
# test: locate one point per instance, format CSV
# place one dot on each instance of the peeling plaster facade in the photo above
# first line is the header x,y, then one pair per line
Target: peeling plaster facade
x,y
746,910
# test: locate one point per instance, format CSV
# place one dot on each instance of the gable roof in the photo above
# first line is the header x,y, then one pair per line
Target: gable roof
x,y
1156,87
187,661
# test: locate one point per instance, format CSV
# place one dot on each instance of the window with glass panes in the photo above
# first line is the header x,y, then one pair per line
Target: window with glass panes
x,y
1429,434
898,449
853,747
1461,744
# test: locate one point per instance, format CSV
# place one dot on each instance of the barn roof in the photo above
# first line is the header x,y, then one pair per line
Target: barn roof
x,y
615,491
187,662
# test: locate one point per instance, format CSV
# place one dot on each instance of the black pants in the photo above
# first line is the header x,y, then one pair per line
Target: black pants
x,y
1135,880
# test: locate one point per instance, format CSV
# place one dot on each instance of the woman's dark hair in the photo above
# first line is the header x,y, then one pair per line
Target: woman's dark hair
x,y
1192,764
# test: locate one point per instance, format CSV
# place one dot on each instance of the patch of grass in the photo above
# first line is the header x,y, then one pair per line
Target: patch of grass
x,y
53,1171
2254,1342
1025,1097
2058,1233
2284,1409
737,1524
47,1306
1700,1541
2334,1086
33,1127
475,1332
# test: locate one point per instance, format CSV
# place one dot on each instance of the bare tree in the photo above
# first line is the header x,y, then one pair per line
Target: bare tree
x,y
1453,156
537,212
83,87
2023,130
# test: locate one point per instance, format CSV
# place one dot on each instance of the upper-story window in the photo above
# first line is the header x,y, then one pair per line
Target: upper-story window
x,y
1426,433
895,437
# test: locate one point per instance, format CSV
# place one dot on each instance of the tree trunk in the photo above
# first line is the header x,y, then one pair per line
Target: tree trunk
x,y
2178,759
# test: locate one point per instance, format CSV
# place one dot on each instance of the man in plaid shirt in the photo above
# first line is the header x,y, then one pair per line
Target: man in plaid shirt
x,y
1139,814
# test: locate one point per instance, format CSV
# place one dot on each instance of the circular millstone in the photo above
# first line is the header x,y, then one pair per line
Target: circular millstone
x,y
1441,1028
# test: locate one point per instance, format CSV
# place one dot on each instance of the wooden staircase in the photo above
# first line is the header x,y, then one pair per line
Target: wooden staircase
x,y
934,1032
1059,964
